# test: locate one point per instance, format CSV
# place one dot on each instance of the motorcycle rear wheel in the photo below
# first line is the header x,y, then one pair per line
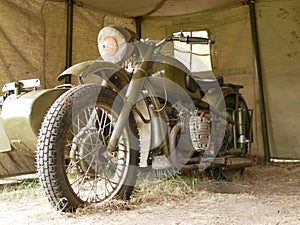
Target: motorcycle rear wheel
x,y
73,165
224,173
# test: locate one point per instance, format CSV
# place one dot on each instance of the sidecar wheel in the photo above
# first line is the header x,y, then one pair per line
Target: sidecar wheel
x,y
73,165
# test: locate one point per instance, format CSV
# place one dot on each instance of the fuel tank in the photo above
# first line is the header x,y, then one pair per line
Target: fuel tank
x,y
171,75
23,114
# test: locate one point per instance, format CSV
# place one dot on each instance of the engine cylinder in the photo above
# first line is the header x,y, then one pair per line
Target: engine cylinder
x,y
199,132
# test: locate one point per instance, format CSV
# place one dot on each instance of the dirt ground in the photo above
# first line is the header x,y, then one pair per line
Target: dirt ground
x,y
266,194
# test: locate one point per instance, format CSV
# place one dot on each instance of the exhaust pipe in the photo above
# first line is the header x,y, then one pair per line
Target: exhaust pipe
x,y
238,162
228,163
194,163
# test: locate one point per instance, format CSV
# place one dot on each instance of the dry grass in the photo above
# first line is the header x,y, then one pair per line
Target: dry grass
x,y
266,194
149,191
27,188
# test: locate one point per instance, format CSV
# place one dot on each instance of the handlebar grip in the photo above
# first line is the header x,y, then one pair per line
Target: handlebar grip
x,y
194,40
197,40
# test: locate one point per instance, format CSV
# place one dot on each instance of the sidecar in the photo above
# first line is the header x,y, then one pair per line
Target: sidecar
x,y
22,110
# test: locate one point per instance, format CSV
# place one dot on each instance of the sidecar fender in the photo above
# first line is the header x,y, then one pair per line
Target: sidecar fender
x,y
95,71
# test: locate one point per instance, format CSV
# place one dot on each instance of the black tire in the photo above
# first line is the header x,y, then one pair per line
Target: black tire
x,y
73,165
230,107
224,173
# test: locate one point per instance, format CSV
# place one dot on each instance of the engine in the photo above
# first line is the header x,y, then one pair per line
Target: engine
x,y
192,134
192,130
199,129
190,139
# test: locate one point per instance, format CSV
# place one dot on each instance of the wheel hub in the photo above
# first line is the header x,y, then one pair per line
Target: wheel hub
x,y
89,151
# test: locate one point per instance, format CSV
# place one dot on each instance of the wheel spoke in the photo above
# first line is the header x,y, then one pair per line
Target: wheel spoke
x,y
77,150
100,178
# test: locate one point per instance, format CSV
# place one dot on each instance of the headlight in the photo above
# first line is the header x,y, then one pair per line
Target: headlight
x,y
113,43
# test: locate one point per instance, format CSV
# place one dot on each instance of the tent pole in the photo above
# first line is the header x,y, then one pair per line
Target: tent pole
x,y
258,71
69,38
138,26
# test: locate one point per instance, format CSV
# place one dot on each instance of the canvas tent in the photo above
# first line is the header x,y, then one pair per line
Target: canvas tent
x,y
33,40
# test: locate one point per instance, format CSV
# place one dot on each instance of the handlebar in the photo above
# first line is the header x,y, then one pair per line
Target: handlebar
x,y
193,40
186,39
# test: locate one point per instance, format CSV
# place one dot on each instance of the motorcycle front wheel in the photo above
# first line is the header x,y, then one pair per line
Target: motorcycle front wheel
x,y
73,164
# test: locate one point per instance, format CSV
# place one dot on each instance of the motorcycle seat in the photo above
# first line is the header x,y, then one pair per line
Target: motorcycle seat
x,y
193,82
210,81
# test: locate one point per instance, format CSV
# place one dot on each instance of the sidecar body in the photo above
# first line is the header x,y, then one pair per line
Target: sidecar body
x,y
22,110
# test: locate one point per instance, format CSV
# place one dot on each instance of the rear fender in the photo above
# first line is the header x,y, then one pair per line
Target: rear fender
x,y
233,90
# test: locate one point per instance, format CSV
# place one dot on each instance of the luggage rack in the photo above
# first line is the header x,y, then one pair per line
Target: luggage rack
x,y
17,86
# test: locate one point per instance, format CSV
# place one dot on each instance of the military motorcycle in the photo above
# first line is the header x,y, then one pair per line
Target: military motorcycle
x,y
138,108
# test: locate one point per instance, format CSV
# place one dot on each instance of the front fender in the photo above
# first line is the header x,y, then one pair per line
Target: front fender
x,y
115,76
75,70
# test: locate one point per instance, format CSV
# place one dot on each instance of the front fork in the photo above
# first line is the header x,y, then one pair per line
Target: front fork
x,y
134,89
132,94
